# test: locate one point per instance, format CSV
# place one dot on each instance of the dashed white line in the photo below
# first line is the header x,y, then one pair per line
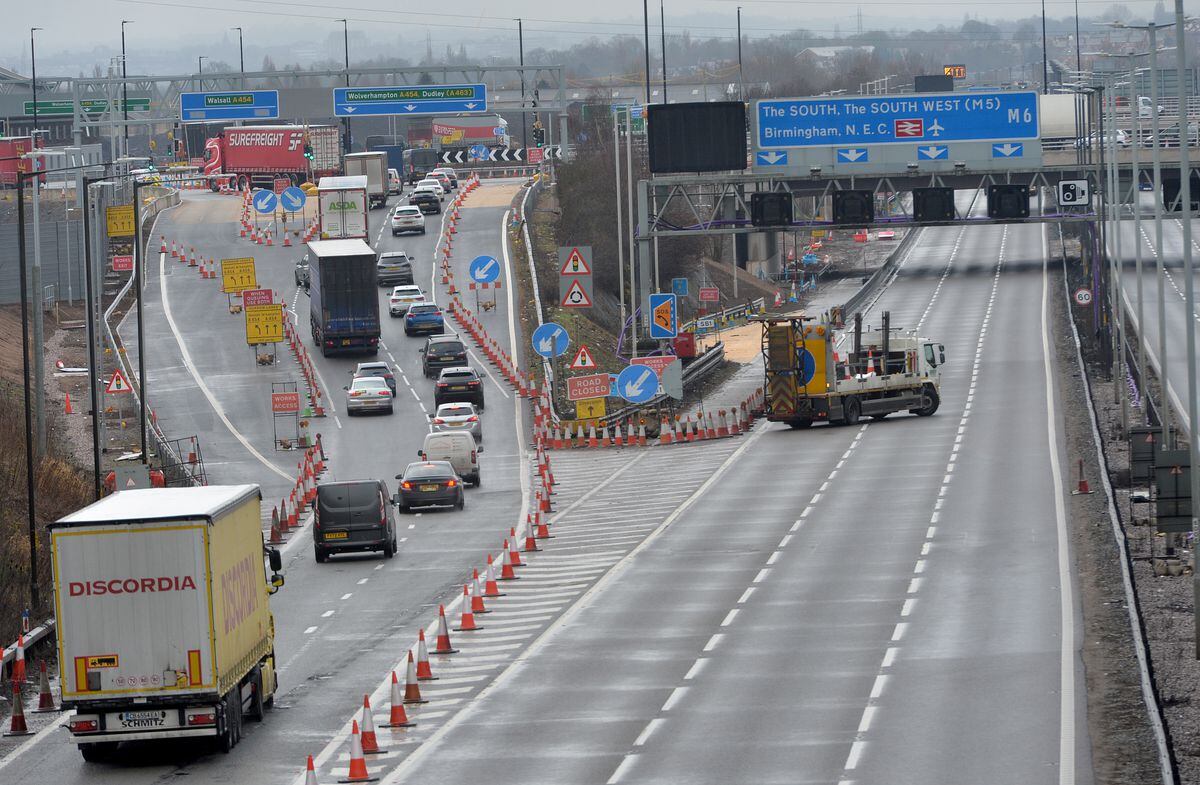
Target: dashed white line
x,y
675,696
651,726
310,630
729,617
347,595
697,666
745,595
713,641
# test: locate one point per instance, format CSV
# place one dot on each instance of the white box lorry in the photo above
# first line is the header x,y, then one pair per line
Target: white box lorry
x,y
342,208
374,166
164,625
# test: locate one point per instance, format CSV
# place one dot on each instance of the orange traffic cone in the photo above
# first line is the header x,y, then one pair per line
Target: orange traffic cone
x,y
442,644
18,669
67,406
490,589
310,775
541,527
506,568
664,432
397,718
514,555
358,764
424,670
1083,488
476,594
276,536
17,726
530,540
370,745
45,697
412,690
468,617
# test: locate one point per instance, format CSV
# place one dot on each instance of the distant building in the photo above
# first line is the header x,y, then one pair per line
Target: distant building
x,y
826,57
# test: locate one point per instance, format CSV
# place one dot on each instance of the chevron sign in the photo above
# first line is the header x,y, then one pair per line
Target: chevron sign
x,y
498,155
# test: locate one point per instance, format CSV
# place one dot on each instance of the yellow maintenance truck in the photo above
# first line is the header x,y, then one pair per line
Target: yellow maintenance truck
x,y
819,372
164,628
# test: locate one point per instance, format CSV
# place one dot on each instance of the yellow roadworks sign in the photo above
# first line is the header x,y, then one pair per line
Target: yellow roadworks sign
x,y
237,275
120,221
590,408
264,323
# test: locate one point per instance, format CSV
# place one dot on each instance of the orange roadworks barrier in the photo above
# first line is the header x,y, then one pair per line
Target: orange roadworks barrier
x,y
424,669
358,764
442,644
45,696
370,744
16,725
490,589
310,775
397,718
468,616
412,690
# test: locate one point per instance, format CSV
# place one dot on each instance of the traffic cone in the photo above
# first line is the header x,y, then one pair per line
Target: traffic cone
x,y
370,745
276,536
490,589
641,436
722,425
162,248
397,718
619,436
270,238
477,594
1083,489
734,426
442,644
17,726
709,431
664,432
174,251
412,690
506,567
287,241
514,555
67,405
18,669
358,764
530,540
424,670
541,527
192,260
45,697
468,616
310,775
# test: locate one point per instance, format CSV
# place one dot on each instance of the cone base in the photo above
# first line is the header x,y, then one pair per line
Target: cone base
x,y
466,629
44,711
360,779
414,701
427,678
509,578
379,751
494,594
444,651
10,733
398,725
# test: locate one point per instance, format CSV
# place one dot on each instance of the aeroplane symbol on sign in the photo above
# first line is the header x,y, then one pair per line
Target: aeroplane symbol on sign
x,y
936,129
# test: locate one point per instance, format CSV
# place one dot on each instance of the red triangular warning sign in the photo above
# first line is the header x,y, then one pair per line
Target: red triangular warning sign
x,y
130,483
576,296
575,264
583,360
118,383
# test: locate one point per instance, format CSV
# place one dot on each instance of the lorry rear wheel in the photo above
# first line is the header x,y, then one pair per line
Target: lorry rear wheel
x,y
98,752
226,738
851,410
258,710
931,394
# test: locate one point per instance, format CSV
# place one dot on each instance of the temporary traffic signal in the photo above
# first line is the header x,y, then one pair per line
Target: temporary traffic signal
x,y
1008,200
539,136
853,207
933,204
771,209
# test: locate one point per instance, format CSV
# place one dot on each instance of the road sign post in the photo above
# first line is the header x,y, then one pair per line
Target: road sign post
x,y
410,100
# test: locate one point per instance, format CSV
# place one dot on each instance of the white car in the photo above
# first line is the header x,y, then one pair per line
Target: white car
x,y
432,185
408,219
402,297
368,394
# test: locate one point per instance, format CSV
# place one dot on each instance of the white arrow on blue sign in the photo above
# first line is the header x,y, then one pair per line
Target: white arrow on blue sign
x,y
1008,150
933,152
293,199
265,202
772,158
550,340
484,269
853,155
637,383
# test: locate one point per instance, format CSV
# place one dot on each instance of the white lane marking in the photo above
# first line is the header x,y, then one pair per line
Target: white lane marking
x,y
783,543
361,581
675,696
186,356
729,617
745,595
877,687
697,666
762,575
914,585
310,630
1066,718
337,420
381,566
864,724
856,750
899,630
347,595
36,739
889,657
327,614
906,609
479,363
626,763
713,641
651,726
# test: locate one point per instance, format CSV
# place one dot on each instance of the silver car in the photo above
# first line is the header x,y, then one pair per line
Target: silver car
x,y
458,417
368,394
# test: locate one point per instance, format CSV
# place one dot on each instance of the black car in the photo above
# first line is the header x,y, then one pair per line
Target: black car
x,y
459,385
301,272
427,483
394,268
353,516
442,351
427,201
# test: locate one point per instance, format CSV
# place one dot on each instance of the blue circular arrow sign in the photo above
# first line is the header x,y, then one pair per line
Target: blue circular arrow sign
x,y
551,340
478,152
293,199
484,269
265,202
637,383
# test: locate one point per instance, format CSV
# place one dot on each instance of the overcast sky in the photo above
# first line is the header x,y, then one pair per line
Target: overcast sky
x,y
80,33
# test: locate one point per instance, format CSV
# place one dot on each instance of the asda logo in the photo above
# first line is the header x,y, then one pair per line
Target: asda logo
x,y
344,207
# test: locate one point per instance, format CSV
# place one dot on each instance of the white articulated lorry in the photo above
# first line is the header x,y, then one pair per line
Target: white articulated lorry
x,y
374,166
164,626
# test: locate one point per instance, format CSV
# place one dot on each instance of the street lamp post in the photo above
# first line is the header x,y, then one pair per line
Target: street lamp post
x,y
521,61
741,75
646,27
346,45
1045,55
33,79
124,89
662,26
241,56
200,71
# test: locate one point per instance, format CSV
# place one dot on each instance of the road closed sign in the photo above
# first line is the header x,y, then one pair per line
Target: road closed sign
x,y
580,388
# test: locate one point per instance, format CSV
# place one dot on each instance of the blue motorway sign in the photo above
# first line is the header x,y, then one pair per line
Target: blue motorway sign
x,y
1008,150
679,287
899,119
933,152
292,199
239,105
479,152
409,100
664,316
265,202
853,155
550,340
772,158
484,269
637,383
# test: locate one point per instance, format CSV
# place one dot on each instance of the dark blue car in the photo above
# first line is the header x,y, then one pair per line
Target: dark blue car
x,y
424,318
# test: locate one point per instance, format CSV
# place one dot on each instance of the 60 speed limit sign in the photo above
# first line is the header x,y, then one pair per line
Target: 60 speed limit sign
x,y
1083,296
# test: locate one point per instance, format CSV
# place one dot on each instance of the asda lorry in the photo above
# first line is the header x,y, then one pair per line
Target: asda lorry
x,y
342,208
373,166
343,296
816,372
164,625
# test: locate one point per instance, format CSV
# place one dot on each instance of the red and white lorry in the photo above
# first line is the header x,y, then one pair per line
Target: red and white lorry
x,y
259,154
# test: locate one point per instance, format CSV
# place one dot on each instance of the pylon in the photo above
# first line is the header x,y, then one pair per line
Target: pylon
x,y
734,426
424,670
370,745
541,527
45,697
1083,487
690,427
17,726
557,443
722,424
641,434
490,589
287,241
174,251
530,540
310,775
397,718
276,536
506,567
514,554
18,669
192,259
442,644
468,616
545,504
709,431
358,764
288,515
664,432
67,405
270,239
477,594
412,690
619,439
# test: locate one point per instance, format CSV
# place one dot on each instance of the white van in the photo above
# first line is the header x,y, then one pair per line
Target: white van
x,y
393,181
458,448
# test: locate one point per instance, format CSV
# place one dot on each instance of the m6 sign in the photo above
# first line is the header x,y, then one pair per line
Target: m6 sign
x,y
580,388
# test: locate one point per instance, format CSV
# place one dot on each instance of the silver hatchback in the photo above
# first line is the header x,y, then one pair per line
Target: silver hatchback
x,y
458,417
